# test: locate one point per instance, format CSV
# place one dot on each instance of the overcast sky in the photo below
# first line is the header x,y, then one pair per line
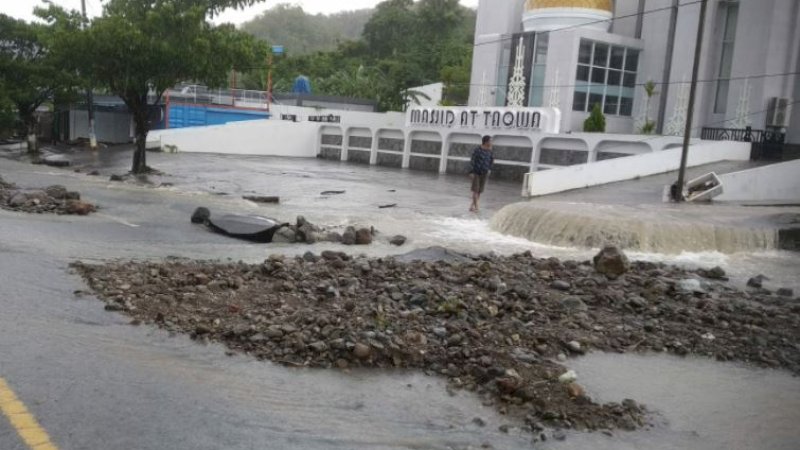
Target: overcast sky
x,y
23,9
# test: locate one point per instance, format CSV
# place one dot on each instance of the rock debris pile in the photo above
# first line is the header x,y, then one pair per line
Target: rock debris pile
x,y
51,200
500,327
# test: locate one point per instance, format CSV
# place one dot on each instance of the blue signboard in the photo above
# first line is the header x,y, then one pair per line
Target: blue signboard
x,y
277,49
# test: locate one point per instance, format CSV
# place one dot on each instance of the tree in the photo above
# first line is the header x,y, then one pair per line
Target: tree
x,y
404,45
596,123
650,90
140,48
30,70
7,113
387,31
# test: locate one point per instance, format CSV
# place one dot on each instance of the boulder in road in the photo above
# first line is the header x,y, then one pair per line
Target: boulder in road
x,y
611,262
201,215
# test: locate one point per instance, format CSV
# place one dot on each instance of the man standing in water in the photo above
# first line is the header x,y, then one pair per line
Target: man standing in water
x,y
480,166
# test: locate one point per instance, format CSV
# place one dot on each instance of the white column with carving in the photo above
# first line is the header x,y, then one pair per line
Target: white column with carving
x,y
677,123
743,108
483,95
516,86
555,92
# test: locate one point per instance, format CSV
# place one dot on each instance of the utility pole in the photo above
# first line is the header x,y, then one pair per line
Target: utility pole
x,y
269,82
89,95
687,134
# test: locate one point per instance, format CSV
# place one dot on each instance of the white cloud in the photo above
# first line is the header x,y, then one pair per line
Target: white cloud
x,y
23,9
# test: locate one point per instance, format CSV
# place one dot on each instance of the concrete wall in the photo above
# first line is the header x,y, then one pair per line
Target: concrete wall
x,y
775,184
383,139
446,150
794,125
262,137
610,171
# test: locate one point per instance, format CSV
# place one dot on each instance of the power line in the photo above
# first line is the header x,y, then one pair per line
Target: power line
x,y
657,83
571,27
594,22
719,122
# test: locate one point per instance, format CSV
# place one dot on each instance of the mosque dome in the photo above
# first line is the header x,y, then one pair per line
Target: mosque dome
x,y
548,15
605,5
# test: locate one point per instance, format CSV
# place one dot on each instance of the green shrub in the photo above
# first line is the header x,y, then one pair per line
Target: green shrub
x,y
596,123
649,127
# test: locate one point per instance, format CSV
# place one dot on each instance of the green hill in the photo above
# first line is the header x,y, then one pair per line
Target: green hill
x,y
303,33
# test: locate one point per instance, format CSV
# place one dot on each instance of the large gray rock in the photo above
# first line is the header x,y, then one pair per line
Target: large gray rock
x,y
201,215
757,281
349,236
307,231
398,240
285,235
611,262
56,191
18,199
249,228
363,236
689,286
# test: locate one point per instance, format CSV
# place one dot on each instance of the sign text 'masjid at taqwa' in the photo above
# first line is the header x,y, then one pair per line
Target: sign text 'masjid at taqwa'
x,y
534,119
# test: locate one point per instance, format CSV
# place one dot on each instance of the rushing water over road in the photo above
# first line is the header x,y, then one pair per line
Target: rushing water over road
x,y
96,382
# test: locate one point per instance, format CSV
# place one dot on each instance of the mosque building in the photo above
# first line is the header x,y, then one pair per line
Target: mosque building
x,y
575,54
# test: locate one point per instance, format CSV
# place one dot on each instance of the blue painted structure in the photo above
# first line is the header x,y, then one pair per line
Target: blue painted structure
x,y
184,115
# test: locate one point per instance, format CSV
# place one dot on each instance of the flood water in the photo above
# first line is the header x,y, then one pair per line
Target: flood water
x,y
431,209
237,402
698,403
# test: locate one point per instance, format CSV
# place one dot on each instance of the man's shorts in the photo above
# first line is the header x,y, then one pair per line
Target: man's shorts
x,y
479,183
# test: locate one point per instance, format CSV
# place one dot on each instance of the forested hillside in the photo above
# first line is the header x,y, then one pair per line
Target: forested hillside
x,y
403,44
302,33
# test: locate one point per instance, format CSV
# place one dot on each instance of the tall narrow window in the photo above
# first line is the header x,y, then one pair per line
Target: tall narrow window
x,y
502,75
730,17
536,95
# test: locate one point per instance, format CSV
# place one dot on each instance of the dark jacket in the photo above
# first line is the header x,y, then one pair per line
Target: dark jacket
x,y
481,162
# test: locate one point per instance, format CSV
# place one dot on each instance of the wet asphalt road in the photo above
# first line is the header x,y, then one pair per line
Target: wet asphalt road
x,y
95,382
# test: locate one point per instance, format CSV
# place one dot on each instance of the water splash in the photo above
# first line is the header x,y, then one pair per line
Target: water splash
x,y
591,226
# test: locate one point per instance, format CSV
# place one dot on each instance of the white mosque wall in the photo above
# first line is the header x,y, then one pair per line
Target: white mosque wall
x,y
611,171
775,183
391,140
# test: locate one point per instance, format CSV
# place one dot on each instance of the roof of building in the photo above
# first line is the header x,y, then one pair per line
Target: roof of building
x,y
605,5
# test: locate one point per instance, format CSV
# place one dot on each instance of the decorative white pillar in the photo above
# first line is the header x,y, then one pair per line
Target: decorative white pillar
x,y
407,150
555,92
483,94
677,123
516,86
373,150
445,152
743,108
345,144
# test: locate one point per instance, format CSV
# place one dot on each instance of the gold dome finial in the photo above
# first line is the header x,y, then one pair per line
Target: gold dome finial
x,y
604,5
